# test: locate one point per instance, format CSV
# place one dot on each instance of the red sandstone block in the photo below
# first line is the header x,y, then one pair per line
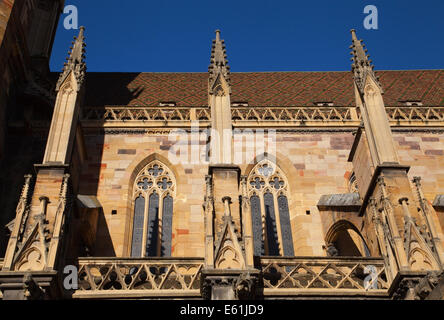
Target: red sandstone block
x,y
434,152
430,139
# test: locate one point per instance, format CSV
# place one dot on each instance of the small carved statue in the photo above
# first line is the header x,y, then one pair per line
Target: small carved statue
x,y
332,251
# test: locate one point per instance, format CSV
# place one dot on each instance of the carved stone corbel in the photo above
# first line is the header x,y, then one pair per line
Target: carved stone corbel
x,y
32,291
236,285
421,287
245,287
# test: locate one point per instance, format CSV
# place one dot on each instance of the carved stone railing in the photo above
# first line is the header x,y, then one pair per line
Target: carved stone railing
x,y
332,116
294,114
125,116
138,278
415,114
281,277
144,116
324,276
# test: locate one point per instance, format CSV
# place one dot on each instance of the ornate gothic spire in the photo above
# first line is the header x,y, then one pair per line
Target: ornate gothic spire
x,y
219,63
361,66
75,62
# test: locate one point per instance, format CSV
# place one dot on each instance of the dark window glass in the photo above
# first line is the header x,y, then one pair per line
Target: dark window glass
x,y
139,212
284,217
167,225
153,226
270,218
257,226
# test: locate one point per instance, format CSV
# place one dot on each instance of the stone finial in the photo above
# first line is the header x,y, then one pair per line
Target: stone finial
x,y
361,66
75,62
219,63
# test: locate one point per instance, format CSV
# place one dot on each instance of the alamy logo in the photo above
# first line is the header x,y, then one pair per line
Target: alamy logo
x,y
371,281
71,280
72,20
371,20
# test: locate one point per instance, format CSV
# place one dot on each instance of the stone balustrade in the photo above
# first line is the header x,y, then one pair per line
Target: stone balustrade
x,y
279,277
114,116
335,276
132,278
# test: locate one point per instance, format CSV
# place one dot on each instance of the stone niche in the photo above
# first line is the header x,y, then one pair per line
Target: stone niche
x,y
226,179
89,209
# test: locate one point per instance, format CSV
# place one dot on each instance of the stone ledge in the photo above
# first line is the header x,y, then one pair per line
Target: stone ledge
x,y
438,203
28,285
88,201
340,202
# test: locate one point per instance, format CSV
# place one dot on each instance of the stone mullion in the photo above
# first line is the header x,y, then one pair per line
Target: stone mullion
x,y
145,223
278,224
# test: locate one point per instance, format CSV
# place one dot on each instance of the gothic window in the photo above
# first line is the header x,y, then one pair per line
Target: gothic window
x,y
268,190
153,195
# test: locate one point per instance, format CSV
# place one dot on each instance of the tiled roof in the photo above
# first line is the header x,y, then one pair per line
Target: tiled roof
x,y
261,88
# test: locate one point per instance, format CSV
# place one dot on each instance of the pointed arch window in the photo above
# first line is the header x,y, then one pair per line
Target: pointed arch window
x,y
154,191
268,193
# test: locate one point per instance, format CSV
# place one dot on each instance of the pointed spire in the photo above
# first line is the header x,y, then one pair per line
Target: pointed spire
x,y
75,62
219,62
361,64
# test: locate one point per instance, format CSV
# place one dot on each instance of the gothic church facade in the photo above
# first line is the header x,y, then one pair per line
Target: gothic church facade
x,y
217,185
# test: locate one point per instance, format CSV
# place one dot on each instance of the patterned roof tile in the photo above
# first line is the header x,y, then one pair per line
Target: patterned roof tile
x,y
261,88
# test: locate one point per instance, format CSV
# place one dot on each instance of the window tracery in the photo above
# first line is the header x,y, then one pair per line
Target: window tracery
x,y
154,191
268,193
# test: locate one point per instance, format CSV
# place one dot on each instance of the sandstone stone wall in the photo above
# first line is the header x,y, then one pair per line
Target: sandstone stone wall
x,y
315,164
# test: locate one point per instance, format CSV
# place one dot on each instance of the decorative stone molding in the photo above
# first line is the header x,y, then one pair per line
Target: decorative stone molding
x,y
234,285
417,118
32,291
420,287
228,250
29,285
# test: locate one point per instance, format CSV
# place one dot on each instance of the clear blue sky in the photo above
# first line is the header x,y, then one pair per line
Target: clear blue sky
x,y
261,35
